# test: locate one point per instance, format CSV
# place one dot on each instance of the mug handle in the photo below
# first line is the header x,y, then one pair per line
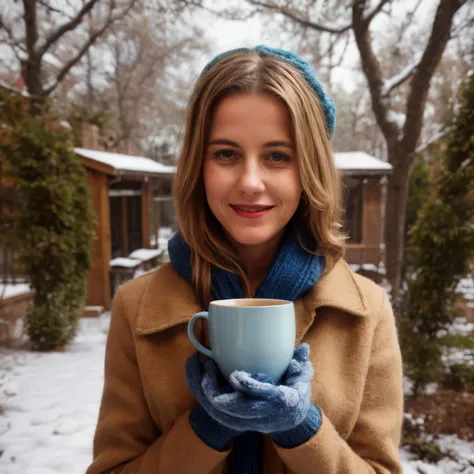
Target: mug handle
x,y
196,343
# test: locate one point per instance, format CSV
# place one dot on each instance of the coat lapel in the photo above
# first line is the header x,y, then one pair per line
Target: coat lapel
x,y
336,289
340,289
170,300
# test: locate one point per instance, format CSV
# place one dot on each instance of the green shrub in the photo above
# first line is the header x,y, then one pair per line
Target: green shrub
x,y
441,246
53,224
417,196
459,377
418,442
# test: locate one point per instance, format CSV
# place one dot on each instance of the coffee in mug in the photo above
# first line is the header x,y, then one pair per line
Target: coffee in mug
x,y
256,335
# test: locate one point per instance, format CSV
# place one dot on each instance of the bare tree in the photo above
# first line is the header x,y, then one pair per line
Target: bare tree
x,y
138,94
138,57
401,132
44,27
144,55
355,122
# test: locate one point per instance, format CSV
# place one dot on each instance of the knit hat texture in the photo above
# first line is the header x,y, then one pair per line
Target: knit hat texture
x,y
306,70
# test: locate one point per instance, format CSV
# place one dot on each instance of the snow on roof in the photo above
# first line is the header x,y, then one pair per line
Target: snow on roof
x,y
13,289
125,262
126,163
358,161
145,254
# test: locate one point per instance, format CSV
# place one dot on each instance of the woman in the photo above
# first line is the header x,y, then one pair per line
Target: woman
x,y
257,200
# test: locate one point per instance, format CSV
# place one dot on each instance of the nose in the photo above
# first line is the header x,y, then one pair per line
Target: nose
x,y
251,178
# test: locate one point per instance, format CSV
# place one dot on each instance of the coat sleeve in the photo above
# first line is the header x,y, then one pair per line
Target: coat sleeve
x,y
373,445
127,439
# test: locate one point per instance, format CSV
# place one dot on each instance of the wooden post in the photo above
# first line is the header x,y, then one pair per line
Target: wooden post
x,y
146,214
98,277
124,226
372,221
106,242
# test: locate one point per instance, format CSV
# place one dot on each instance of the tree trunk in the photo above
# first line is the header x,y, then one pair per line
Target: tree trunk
x,y
397,198
401,144
32,78
31,67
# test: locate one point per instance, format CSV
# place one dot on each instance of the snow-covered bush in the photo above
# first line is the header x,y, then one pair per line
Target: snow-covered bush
x,y
418,442
459,377
458,355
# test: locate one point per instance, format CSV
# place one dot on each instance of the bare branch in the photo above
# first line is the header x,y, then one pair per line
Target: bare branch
x,y
228,14
49,7
433,139
122,87
371,14
71,4
13,42
328,53
372,70
70,25
93,37
397,80
468,22
131,69
407,22
343,52
332,43
328,28
440,35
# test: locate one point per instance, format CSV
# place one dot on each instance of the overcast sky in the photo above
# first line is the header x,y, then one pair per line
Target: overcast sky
x,y
227,35
232,34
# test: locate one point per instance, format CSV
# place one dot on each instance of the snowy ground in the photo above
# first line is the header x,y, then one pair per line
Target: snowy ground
x,y
52,403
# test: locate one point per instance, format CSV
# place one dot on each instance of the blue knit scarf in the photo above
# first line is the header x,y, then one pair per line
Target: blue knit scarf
x,y
292,272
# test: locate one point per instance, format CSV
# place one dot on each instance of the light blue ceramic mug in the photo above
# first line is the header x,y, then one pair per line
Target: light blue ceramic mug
x,y
251,334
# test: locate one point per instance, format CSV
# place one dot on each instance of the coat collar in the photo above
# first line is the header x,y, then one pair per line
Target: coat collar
x,y
170,300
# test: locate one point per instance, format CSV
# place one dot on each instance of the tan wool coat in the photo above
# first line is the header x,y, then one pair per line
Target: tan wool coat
x,y
346,319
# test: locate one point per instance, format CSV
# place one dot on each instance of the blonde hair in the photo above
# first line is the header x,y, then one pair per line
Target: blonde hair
x,y
319,214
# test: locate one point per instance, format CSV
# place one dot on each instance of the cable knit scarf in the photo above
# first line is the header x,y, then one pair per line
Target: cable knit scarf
x,y
292,271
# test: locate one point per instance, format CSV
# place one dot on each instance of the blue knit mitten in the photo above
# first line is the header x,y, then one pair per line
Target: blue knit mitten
x,y
255,403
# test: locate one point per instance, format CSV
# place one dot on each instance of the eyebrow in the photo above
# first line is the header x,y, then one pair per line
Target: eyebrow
x,y
222,141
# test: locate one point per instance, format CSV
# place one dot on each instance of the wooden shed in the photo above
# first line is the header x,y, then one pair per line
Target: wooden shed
x,y
123,189
364,181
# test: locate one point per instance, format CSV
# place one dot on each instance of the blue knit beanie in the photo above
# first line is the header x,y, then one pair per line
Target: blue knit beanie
x,y
327,104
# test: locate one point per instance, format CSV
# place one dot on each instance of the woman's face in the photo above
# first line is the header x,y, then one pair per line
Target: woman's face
x,y
251,174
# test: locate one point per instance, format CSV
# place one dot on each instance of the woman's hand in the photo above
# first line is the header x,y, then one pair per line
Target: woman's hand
x,y
254,402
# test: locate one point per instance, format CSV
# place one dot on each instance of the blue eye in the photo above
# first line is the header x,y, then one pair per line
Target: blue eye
x,y
277,157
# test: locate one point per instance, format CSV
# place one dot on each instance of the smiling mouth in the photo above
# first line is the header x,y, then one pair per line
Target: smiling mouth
x,y
251,209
